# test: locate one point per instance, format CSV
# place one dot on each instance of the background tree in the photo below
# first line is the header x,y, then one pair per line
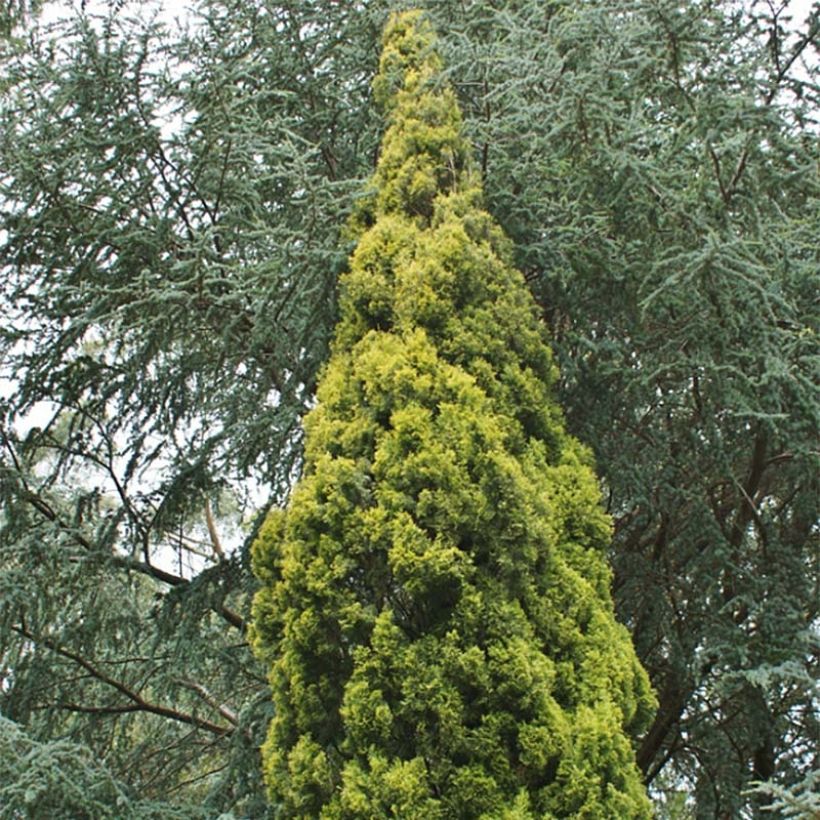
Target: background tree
x,y
656,169
170,240
435,601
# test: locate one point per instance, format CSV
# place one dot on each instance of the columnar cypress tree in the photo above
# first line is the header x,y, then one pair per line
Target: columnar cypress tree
x,y
435,603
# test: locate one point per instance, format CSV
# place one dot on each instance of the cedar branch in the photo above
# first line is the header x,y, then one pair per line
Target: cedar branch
x,y
137,701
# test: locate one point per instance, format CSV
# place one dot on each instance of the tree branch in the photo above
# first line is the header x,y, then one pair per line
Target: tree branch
x,y
129,564
212,531
138,703
224,710
780,74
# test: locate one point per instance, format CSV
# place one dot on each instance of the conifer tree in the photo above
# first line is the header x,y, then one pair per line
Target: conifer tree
x,y
435,604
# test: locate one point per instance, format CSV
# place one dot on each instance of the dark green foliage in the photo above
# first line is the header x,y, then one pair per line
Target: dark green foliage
x,y
435,601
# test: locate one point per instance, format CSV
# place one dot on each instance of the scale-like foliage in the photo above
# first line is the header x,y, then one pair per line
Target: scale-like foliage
x,y
435,603
171,202
656,168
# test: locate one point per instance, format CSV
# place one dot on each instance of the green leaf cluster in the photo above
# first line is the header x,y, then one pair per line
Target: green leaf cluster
x,y
435,598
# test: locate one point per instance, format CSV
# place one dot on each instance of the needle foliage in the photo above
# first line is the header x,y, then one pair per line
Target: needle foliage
x,y
172,204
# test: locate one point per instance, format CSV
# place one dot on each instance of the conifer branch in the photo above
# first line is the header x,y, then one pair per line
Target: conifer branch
x,y
212,531
138,703
130,564
229,714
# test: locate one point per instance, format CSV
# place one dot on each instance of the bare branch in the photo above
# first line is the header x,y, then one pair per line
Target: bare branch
x,y
224,710
212,531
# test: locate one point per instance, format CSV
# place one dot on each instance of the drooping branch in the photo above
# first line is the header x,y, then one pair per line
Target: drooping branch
x,y
137,702
145,567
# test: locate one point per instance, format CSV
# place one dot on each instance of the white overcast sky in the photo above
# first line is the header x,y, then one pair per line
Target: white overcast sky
x,y
799,9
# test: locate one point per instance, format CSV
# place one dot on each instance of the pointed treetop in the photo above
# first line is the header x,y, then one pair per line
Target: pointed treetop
x,y
408,59
423,151
435,599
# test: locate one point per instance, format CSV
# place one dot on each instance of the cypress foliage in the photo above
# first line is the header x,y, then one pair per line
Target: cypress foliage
x,y
435,603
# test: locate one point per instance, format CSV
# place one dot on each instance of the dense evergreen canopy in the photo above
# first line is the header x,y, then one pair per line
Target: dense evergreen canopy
x,y
435,599
171,207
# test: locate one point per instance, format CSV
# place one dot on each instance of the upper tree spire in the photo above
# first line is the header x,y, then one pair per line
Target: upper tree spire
x,y
435,599
423,151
